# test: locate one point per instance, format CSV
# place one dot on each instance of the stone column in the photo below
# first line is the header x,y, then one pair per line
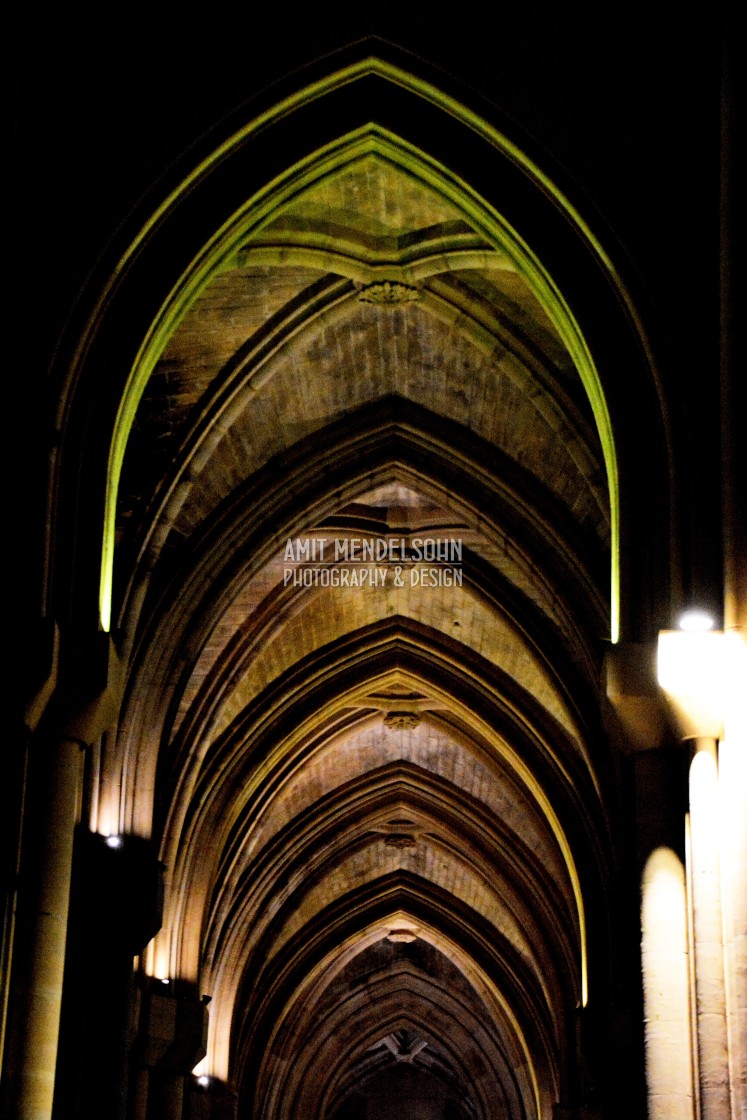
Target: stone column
x,y
666,988
659,806
77,700
115,910
733,873
733,751
710,988
665,965
703,675
12,802
42,929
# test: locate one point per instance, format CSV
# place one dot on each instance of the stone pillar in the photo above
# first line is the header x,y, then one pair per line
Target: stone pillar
x,y
115,910
12,802
78,698
733,751
710,988
42,929
658,809
733,872
665,966
666,988
703,676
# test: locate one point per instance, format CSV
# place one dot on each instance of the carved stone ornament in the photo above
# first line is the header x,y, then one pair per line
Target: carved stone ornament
x,y
388,292
401,721
400,840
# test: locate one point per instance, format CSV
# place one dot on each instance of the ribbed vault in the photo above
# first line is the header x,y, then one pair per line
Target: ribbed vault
x,y
381,801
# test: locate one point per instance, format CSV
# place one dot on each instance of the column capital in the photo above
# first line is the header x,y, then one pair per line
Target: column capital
x,y
173,1022
633,694
75,686
694,672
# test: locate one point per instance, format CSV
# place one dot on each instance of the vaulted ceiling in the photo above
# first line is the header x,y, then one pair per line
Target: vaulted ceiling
x,y
380,801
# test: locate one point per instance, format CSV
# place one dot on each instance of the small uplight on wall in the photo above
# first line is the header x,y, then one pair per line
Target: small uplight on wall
x,y
114,841
201,1075
693,673
696,622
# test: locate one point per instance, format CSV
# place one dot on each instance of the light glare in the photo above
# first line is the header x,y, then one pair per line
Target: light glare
x,y
696,622
693,669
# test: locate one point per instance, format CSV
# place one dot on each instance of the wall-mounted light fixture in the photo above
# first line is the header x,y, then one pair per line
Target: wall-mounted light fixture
x,y
696,621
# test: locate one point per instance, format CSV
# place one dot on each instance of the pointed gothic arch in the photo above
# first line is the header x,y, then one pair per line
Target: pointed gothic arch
x,y
371,218
501,188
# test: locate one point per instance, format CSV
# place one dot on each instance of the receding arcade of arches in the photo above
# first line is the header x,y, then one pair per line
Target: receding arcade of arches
x,y
364,795
376,787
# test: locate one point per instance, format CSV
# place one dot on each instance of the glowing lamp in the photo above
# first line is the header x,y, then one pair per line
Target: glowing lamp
x,y
696,622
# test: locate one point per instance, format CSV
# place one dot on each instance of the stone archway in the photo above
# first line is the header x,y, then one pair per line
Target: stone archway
x,y
359,346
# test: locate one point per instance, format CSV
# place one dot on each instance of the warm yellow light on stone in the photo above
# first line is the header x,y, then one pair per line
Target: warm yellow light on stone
x,y
694,670
155,959
732,813
106,821
735,665
664,953
707,918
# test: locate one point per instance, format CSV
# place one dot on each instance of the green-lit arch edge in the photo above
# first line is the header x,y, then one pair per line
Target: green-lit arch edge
x,y
215,253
